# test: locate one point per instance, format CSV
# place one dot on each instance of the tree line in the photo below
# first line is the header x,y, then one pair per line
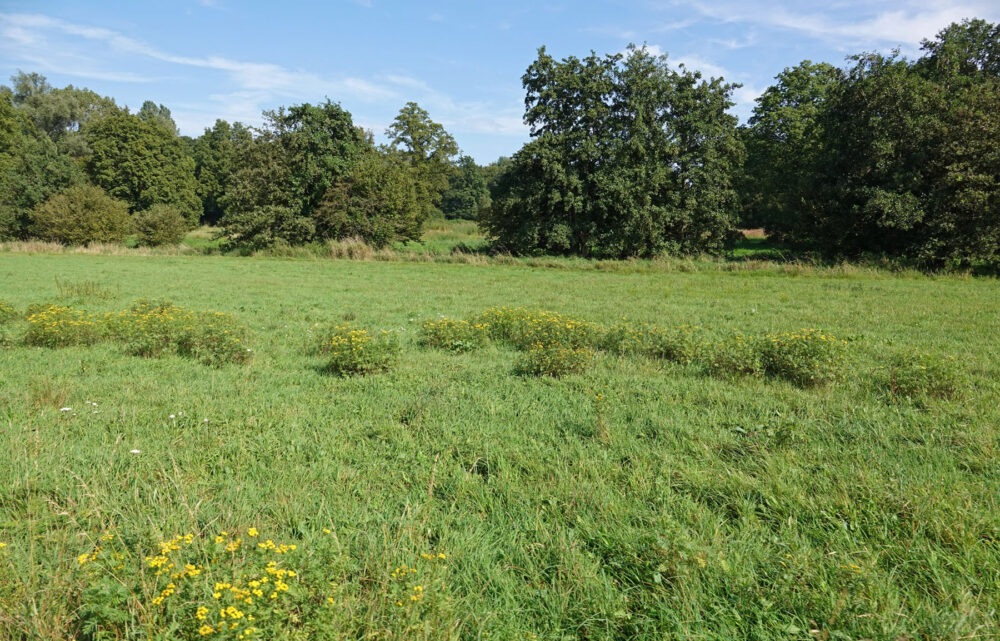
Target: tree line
x,y
628,157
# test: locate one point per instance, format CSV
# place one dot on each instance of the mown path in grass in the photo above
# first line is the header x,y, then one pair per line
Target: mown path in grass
x,y
679,504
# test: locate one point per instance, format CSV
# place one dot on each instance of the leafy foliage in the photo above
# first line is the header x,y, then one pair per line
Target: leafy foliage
x,y
215,154
143,163
160,225
81,215
428,149
904,163
628,158
555,360
376,202
468,195
31,170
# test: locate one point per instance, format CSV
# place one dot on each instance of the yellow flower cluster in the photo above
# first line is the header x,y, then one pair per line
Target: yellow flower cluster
x,y
61,326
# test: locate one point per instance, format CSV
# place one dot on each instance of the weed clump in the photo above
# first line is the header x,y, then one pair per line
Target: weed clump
x,y
807,357
454,335
152,328
8,312
918,375
61,326
555,360
351,350
524,328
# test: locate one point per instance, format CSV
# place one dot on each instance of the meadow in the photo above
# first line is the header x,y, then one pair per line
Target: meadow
x,y
457,496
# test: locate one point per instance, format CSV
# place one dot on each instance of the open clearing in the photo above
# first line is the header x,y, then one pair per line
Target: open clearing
x,y
681,506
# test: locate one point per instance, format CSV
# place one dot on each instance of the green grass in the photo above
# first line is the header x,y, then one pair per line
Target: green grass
x,y
640,499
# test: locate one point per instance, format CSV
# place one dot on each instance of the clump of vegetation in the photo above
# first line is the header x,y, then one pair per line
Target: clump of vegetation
x,y
7,312
238,585
555,360
807,357
160,225
524,328
81,215
735,355
454,335
351,350
61,326
152,328
918,375
223,587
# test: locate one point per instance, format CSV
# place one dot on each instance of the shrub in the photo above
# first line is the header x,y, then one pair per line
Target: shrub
x,y
555,360
61,326
807,357
81,215
455,335
160,225
523,328
357,351
7,312
918,374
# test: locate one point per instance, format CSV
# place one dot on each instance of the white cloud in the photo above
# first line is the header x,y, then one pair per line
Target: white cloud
x,y
853,23
265,77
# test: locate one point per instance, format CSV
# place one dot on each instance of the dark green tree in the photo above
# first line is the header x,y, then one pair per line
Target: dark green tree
x,y
376,201
429,151
31,169
628,157
215,154
281,176
908,163
468,195
143,164
782,142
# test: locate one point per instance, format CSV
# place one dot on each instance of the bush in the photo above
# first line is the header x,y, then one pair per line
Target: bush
x,y
81,215
455,335
916,375
7,312
807,357
356,351
555,360
160,225
61,326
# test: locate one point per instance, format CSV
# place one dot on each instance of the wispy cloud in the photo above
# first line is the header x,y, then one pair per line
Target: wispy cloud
x,y
852,23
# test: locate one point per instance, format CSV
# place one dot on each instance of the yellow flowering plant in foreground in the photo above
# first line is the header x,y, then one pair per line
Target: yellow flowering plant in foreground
x,y
240,585
353,350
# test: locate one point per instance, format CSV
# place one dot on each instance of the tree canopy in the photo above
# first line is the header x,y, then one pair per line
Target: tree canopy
x,y
628,157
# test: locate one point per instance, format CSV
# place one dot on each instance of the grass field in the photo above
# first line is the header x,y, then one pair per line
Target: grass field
x,y
640,499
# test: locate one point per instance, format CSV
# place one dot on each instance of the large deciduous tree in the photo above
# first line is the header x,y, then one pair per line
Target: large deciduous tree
x,y
429,151
628,157
907,161
783,142
31,169
142,163
215,154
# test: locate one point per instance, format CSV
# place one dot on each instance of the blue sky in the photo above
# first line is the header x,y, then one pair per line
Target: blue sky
x,y
461,60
